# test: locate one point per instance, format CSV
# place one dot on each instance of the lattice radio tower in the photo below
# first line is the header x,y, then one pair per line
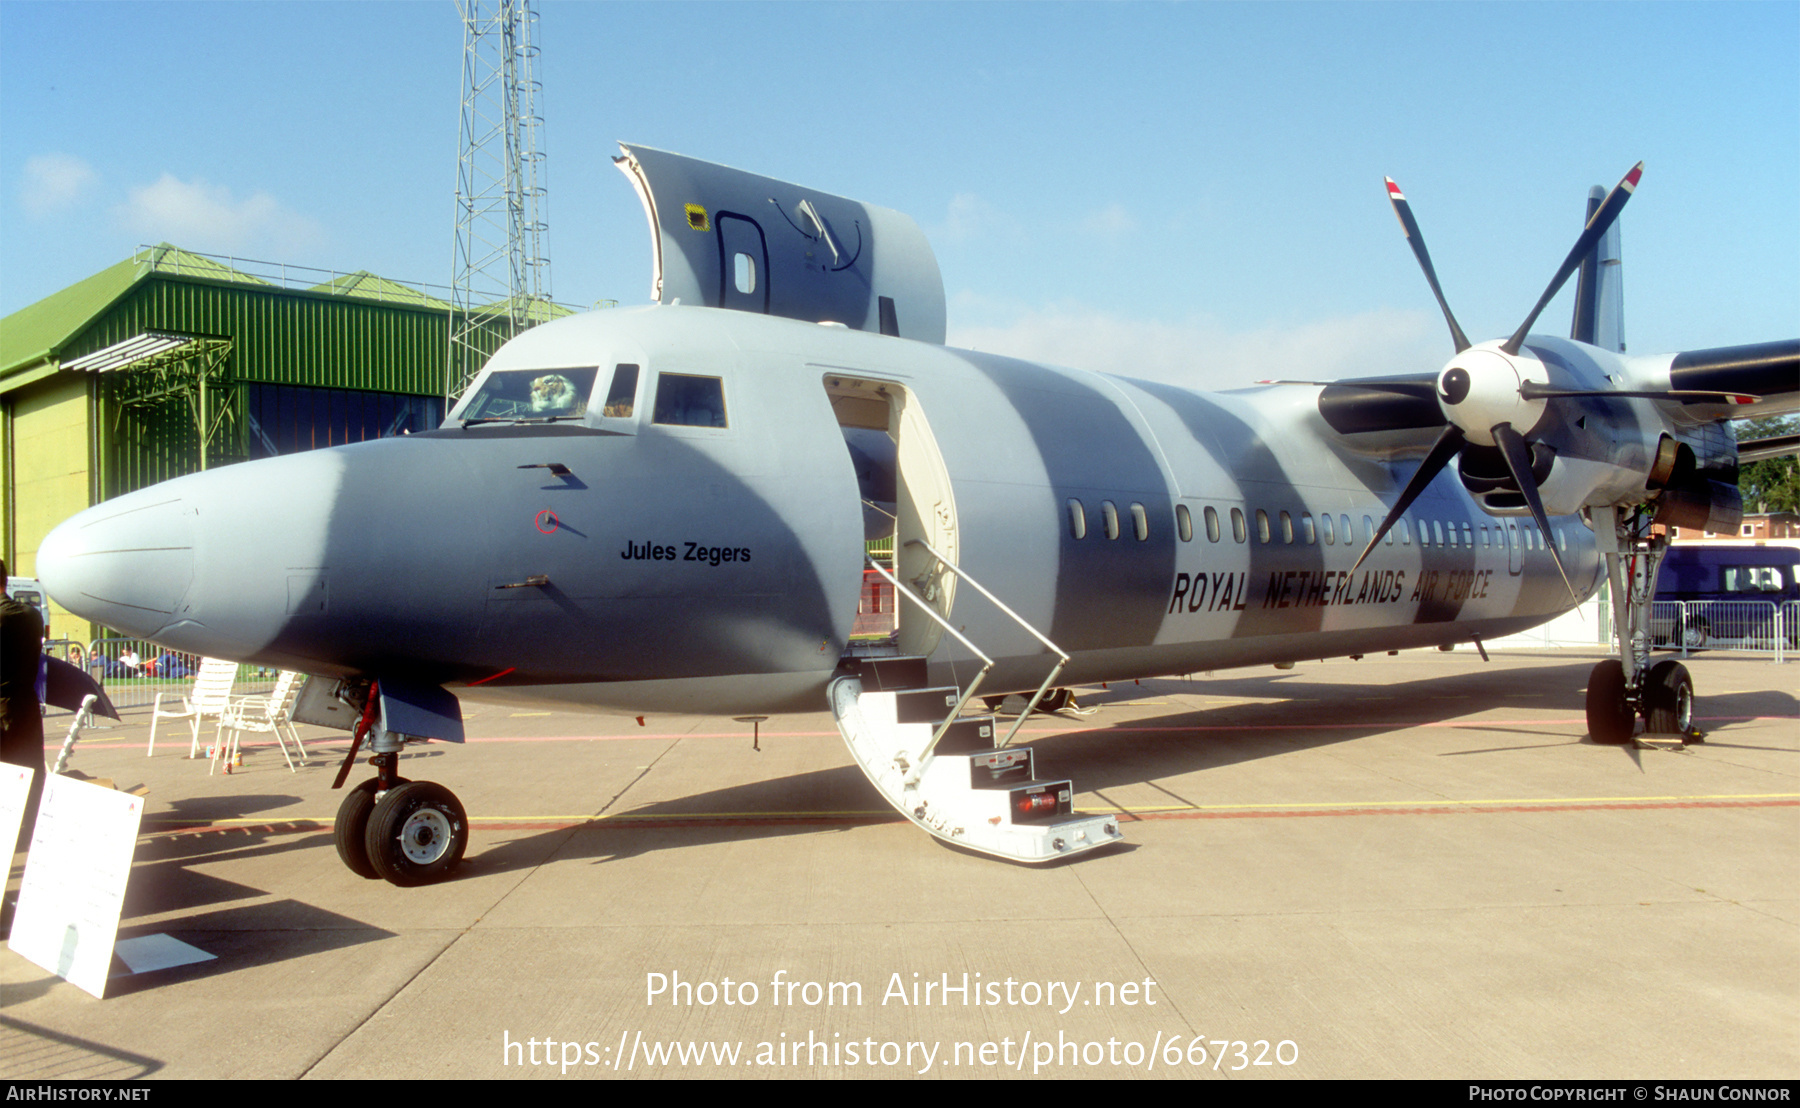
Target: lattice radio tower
x,y
501,283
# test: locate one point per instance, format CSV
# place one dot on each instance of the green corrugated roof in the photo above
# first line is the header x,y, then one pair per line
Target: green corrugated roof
x,y
536,311
370,285
173,259
34,331
39,330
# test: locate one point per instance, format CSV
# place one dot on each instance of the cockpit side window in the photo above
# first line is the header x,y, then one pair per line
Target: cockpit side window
x,y
622,397
685,400
531,395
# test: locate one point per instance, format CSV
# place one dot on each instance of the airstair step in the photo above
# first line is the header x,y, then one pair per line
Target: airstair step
x,y
1078,833
892,674
999,769
968,735
925,705
1035,802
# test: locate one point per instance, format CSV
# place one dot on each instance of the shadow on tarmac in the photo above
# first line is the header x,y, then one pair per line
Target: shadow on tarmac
x,y
1098,755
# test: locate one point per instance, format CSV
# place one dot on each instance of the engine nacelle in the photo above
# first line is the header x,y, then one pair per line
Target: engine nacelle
x,y
1697,475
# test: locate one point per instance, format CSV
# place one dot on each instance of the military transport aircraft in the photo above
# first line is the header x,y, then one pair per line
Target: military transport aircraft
x,y
666,508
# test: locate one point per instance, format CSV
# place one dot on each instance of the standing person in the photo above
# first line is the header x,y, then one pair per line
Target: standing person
x,y
21,720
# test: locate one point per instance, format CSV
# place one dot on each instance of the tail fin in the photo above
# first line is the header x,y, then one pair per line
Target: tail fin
x,y
1600,295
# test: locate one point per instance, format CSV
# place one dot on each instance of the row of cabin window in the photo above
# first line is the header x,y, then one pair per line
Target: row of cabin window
x,y
1431,532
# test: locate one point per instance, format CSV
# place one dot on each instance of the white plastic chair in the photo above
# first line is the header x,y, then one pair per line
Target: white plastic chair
x,y
271,714
211,692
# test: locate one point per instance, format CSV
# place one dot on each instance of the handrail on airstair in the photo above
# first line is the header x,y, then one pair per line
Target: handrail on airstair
x,y
1016,618
918,767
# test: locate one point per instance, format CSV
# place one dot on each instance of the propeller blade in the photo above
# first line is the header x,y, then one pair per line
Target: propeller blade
x,y
1442,451
1411,226
1518,459
1603,219
1531,390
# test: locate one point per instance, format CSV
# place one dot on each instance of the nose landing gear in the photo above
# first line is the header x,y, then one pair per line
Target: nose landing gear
x,y
406,832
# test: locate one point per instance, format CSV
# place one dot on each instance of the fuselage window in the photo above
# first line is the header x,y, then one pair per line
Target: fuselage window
x,y
622,396
1237,525
1212,525
1424,534
1562,539
1184,523
1287,528
1140,522
1110,513
1349,536
1484,537
1329,531
684,400
1306,528
1468,536
1405,532
1077,519
744,273
1262,525
1437,533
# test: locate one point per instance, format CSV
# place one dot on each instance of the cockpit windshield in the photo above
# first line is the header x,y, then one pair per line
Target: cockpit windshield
x,y
536,395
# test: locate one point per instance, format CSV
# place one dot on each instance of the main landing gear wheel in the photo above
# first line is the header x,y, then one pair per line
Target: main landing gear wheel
x,y
350,831
1668,699
1694,632
1609,715
417,833
1056,700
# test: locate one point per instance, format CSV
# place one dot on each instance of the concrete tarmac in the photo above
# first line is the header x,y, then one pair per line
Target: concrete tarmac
x,y
1411,866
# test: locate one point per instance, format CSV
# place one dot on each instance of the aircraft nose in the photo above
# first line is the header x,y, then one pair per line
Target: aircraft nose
x,y
126,563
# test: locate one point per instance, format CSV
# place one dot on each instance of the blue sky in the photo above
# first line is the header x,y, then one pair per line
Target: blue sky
x,y
1178,190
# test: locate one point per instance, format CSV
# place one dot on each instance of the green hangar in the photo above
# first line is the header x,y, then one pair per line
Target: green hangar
x,y
171,362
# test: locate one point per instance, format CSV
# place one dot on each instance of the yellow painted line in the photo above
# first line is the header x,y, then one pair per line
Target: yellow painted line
x,y
588,818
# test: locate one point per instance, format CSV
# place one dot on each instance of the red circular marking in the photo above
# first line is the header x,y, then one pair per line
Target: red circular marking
x,y
547,521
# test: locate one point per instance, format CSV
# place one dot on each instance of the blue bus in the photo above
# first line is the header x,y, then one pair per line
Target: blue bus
x,y
1728,591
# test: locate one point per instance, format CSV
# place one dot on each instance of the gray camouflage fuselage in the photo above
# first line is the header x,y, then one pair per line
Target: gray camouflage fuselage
x,y
718,570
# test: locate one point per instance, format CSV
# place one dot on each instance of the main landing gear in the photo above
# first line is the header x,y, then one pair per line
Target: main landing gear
x,y
407,832
1623,688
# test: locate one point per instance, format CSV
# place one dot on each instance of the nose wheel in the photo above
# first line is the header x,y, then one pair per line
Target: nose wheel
x,y
350,832
416,834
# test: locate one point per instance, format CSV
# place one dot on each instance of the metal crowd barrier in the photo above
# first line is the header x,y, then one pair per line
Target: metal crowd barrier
x,y
1761,626
134,671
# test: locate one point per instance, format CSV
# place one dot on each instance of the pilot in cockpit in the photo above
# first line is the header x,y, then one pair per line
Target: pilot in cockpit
x,y
553,394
